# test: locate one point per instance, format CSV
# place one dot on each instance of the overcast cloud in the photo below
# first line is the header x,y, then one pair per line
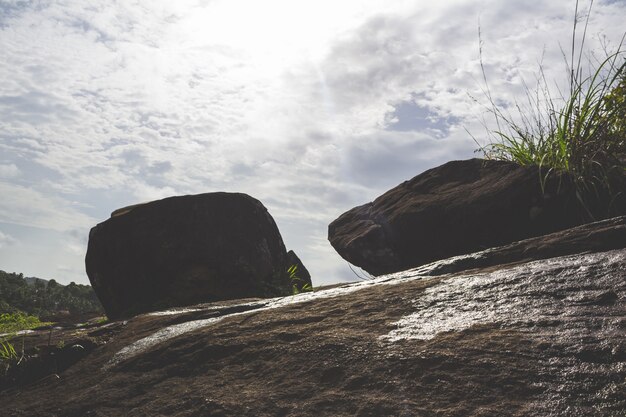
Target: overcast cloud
x,y
311,108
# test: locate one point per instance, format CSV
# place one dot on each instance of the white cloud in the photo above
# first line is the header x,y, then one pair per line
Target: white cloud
x,y
9,170
312,109
28,207
6,240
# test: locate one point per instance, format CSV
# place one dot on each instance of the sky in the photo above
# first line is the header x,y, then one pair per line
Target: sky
x,y
311,107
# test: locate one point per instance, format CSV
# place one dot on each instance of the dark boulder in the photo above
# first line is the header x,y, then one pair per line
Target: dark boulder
x,y
185,250
457,208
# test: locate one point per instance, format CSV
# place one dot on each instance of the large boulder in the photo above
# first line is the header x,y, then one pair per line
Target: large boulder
x,y
186,250
457,208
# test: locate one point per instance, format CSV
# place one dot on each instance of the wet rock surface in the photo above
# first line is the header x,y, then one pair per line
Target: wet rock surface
x,y
185,250
526,338
458,208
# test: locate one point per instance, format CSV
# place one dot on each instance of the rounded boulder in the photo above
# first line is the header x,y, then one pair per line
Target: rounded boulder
x,y
186,250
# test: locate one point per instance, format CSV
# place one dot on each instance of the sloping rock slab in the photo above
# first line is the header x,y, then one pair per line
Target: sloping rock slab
x,y
457,208
537,338
185,250
592,237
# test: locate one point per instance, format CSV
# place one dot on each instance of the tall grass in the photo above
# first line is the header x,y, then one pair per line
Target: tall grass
x,y
581,132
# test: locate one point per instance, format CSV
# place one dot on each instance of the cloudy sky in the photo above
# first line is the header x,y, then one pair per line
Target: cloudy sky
x,y
311,107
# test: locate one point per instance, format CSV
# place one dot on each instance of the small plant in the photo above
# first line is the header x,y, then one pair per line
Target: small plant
x,y
297,284
8,355
7,351
584,136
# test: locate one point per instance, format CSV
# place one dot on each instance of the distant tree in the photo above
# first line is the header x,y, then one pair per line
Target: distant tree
x,y
45,300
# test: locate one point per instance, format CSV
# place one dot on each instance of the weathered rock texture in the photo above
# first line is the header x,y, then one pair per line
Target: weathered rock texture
x,y
186,250
457,208
528,338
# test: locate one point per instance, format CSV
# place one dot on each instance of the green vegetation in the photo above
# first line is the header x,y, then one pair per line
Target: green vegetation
x,y
14,322
8,356
7,351
615,104
297,284
102,320
22,304
9,324
43,299
582,133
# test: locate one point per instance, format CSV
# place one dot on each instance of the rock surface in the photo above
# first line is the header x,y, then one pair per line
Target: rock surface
x,y
186,250
524,338
460,207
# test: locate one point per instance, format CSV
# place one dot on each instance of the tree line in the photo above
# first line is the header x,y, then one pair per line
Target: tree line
x,y
45,298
